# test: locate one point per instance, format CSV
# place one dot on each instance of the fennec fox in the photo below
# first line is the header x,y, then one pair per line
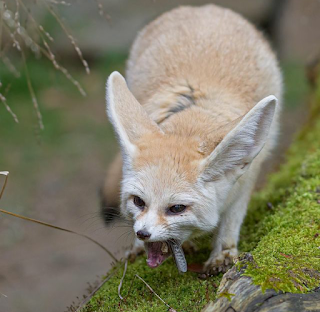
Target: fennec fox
x,y
195,122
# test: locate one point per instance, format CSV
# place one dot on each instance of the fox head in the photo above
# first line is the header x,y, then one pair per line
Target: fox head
x,y
174,185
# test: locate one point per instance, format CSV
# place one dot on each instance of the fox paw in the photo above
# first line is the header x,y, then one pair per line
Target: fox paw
x,y
220,263
189,248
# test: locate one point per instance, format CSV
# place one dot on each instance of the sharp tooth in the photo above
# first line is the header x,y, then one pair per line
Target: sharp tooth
x,y
164,248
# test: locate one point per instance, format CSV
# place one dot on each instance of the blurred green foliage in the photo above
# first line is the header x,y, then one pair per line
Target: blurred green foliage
x,y
296,86
75,126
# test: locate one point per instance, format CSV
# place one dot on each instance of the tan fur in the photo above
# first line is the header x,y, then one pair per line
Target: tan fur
x,y
226,72
197,72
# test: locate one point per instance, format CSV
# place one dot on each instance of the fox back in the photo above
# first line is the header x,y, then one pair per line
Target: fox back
x,y
195,122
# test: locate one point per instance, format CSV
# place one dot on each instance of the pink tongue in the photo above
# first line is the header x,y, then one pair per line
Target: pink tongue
x,y
155,256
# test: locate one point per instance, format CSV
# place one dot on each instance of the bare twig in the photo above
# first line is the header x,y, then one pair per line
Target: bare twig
x,y
32,93
61,229
122,278
167,305
6,174
4,101
49,54
86,300
3,295
102,12
60,2
40,27
52,57
37,39
17,15
71,38
12,35
10,66
1,21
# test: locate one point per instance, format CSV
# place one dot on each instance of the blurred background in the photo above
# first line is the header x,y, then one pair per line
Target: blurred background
x,y
58,153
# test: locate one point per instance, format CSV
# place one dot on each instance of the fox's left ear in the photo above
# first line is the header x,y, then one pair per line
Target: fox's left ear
x,y
129,119
242,144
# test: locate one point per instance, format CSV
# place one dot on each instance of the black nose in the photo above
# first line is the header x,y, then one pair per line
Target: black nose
x,y
143,234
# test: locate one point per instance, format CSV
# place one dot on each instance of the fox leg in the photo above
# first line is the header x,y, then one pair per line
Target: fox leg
x,y
227,234
110,192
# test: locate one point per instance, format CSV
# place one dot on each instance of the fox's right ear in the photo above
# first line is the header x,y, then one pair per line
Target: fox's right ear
x,y
129,119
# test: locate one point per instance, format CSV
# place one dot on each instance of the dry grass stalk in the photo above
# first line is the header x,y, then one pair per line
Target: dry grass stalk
x,y
11,67
4,101
1,22
60,2
15,19
167,305
122,278
61,229
32,93
68,34
102,11
47,52
92,293
6,174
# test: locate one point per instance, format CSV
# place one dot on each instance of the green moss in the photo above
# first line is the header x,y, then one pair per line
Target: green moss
x,y
287,257
281,231
283,224
226,295
184,292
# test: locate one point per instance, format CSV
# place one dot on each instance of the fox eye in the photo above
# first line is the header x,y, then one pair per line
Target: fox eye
x,y
138,202
177,209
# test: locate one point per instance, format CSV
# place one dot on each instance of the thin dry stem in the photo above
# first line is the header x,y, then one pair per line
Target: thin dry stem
x,y
14,23
12,35
87,299
40,27
16,15
10,66
1,22
6,174
4,101
167,305
122,278
61,229
71,38
102,11
60,2
37,39
46,33
50,55
32,93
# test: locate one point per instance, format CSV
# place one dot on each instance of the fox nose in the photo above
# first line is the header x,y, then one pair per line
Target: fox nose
x,y
142,234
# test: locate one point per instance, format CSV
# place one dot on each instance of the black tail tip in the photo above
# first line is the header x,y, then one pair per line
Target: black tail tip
x,y
108,212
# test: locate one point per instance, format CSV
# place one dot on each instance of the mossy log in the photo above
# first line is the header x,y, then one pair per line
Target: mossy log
x,y
237,293
281,233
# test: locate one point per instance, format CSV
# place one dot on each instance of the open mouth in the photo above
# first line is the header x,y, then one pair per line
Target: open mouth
x,y
158,252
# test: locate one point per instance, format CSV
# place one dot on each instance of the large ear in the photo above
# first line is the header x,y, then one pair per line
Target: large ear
x,y
242,144
129,119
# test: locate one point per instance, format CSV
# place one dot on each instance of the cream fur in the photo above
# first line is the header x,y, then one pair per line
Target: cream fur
x,y
197,72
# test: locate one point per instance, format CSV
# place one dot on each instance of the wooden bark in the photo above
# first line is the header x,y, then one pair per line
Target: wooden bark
x,y
238,294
